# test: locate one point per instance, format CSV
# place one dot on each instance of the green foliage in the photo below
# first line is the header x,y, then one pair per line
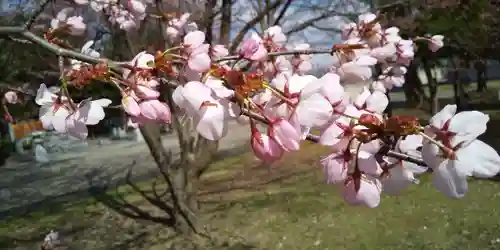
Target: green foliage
x,y
463,24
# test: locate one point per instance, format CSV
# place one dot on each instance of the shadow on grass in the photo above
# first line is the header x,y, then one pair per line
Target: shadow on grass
x,y
128,199
152,204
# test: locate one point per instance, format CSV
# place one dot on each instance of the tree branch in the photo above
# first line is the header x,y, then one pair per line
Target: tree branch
x,y
225,22
282,12
209,20
281,53
310,22
252,23
57,50
37,13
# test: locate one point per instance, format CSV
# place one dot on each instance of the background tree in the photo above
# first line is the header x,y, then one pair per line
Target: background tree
x,y
469,28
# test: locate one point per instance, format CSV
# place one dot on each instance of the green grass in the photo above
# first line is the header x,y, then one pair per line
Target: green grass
x,y
493,86
308,215
287,206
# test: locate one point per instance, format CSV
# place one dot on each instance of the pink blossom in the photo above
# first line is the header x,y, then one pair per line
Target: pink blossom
x,y
461,158
336,166
264,147
274,37
75,24
138,8
436,42
178,27
197,50
284,134
365,190
11,97
253,49
218,50
357,70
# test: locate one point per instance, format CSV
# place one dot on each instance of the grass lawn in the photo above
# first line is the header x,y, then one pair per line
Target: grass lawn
x,y
447,89
285,206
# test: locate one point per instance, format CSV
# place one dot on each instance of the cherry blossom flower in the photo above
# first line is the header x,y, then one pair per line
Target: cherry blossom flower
x,y
436,42
74,24
253,48
319,100
285,134
74,122
358,70
336,166
402,174
273,38
141,62
454,154
265,147
138,8
197,50
86,50
210,115
11,97
178,27
302,63
363,191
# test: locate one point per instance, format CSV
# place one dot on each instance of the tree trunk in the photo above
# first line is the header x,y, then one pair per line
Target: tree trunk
x,y
481,76
432,85
225,24
184,215
413,90
458,90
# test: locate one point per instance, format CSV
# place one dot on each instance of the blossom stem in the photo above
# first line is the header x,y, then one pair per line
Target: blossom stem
x,y
279,94
176,56
439,144
117,86
346,115
171,49
114,73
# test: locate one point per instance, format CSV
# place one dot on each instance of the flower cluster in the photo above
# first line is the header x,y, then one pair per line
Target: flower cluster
x,y
283,105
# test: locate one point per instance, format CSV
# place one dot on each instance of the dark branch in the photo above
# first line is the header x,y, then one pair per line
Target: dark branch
x,y
36,13
282,12
252,23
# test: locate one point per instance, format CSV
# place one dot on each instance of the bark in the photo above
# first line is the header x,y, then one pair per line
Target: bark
x,y
181,175
481,76
458,84
432,85
413,89
209,20
183,215
225,24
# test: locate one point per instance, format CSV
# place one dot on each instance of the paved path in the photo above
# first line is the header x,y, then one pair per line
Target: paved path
x,y
25,183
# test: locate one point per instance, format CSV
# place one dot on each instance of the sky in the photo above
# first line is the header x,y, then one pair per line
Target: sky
x,y
301,11
9,5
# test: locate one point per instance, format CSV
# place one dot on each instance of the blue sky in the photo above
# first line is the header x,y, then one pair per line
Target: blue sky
x,y
301,11
10,5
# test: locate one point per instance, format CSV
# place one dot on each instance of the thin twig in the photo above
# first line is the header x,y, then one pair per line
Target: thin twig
x,y
281,53
36,13
57,50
